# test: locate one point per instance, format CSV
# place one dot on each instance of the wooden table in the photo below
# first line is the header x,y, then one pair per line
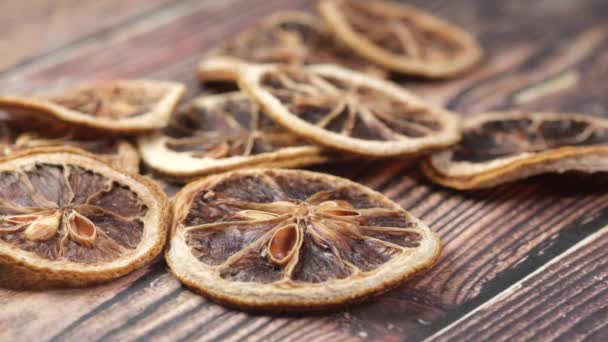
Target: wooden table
x,y
525,261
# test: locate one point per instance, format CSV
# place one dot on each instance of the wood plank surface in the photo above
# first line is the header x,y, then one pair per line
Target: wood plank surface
x,y
549,54
37,27
565,300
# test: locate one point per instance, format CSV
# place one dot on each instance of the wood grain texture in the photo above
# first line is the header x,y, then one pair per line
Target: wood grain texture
x,y
565,300
34,27
493,238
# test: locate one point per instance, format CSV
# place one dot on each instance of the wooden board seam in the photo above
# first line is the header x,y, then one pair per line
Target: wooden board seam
x,y
519,285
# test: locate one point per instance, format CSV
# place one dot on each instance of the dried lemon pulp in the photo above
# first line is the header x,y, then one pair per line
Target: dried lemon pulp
x,y
502,147
400,37
287,37
275,239
346,110
223,132
68,218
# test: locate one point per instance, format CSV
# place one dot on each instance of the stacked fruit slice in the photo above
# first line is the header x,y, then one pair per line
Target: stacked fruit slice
x,y
73,210
223,132
288,37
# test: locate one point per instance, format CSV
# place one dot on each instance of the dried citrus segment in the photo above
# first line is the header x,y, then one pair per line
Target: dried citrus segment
x,y
275,239
287,37
400,37
502,147
123,106
343,109
69,218
15,137
223,132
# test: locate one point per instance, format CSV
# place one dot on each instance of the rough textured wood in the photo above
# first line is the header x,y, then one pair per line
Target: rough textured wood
x,y
565,300
544,54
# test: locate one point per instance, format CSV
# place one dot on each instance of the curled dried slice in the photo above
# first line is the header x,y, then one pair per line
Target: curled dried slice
x,y
272,239
288,37
500,147
400,37
223,132
68,218
346,110
122,106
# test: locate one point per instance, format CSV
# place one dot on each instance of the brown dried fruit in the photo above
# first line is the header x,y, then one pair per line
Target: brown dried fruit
x,y
400,37
15,137
288,37
275,239
223,132
500,147
346,110
123,106
68,218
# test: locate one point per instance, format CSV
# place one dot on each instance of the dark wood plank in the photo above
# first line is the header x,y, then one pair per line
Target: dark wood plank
x,y
34,27
493,238
565,300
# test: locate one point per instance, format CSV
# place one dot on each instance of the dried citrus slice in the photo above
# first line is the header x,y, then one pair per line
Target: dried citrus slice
x,y
288,37
400,37
502,147
274,239
119,153
123,106
68,218
343,109
224,132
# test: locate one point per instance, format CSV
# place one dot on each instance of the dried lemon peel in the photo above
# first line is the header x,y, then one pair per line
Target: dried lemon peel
x,y
113,107
67,218
503,147
350,111
272,239
223,132
401,38
285,37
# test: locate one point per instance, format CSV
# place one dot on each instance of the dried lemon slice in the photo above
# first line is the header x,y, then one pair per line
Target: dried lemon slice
x,y
343,109
288,37
275,239
223,132
14,138
123,106
502,147
401,38
67,218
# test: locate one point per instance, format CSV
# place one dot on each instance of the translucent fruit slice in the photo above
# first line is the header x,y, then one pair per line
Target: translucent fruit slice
x,y
272,239
346,110
400,37
500,147
122,106
223,132
287,37
15,138
68,218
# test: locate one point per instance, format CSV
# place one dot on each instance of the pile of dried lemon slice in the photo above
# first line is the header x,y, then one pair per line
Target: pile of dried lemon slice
x,y
244,231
